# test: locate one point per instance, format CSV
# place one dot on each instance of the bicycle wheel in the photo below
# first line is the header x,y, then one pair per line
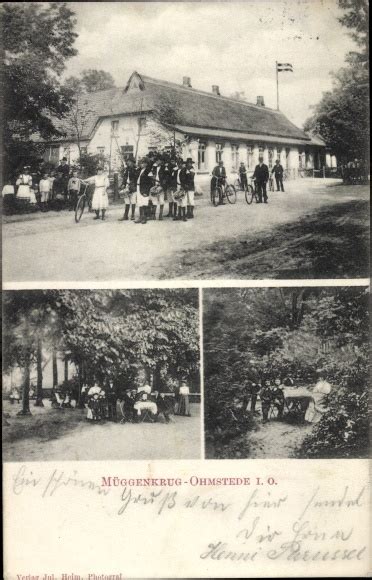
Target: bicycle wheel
x,y
230,192
79,210
237,184
249,194
216,195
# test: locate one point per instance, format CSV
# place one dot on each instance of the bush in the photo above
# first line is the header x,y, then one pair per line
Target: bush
x,y
343,429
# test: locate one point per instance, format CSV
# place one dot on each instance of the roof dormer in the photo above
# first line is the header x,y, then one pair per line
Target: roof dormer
x,y
135,83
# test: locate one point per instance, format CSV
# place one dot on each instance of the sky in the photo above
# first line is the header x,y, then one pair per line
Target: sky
x,y
230,44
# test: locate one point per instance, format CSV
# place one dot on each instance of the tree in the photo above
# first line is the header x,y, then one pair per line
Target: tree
x,y
77,120
289,332
38,39
167,115
342,115
91,81
30,319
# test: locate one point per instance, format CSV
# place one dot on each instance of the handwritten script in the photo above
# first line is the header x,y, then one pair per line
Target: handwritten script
x,y
318,525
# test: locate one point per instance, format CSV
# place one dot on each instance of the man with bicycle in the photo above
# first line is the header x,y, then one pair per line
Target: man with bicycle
x,y
261,176
219,179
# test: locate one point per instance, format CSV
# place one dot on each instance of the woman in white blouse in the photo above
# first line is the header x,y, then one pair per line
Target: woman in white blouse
x,y
24,183
100,197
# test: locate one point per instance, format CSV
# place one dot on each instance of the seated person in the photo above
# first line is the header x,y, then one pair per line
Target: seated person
x,y
145,388
14,396
164,406
127,406
271,395
96,396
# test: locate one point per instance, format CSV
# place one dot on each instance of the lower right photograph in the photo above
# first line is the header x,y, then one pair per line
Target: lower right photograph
x,y
286,372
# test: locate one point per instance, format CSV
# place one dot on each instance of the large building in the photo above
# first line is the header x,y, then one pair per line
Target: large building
x,y
149,114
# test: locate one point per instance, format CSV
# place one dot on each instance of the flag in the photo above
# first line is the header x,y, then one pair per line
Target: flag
x,y
283,66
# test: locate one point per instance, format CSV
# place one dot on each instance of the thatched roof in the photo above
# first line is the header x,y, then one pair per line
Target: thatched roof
x,y
191,108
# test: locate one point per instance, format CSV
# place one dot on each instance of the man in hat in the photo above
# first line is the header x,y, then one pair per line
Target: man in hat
x,y
278,172
159,186
261,175
187,179
129,187
144,184
174,187
64,170
243,176
219,178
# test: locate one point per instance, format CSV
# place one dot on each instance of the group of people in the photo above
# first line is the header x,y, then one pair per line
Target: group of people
x,y
272,396
135,404
43,188
354,172
260,177
152,182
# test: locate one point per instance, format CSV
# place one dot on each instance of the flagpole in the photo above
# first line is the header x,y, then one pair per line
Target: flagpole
x,y
277,85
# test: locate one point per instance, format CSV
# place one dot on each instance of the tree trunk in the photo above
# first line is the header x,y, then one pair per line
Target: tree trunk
x,y
39,384
81,383
55,369
26,388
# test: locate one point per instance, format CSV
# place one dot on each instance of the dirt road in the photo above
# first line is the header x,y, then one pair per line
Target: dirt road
x,y
232,241
72,438
276,439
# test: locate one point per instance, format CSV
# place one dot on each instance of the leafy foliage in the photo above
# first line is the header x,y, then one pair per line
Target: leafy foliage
x,y
91,81
38,39
115,334
342,116
251,334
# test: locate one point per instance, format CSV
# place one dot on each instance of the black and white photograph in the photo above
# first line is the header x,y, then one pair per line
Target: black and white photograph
x,y
99,375
235,132
286,372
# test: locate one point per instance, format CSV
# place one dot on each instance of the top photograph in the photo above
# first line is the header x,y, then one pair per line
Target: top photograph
x,y
237,133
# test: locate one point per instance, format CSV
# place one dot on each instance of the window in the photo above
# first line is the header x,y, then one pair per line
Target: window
x,y
201,156
142,123
83,150
271,158
219,152
114,126
100,150
126,151
261,151
301,160
234,157
250,161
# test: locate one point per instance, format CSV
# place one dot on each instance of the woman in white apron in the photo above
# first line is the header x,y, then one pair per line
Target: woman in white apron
x,y
24,183
317,407
100,196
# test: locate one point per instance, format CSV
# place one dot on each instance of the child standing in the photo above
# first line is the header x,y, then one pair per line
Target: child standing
x,y
44,191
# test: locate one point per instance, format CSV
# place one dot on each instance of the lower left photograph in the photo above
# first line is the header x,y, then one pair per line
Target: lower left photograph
x,y
101,375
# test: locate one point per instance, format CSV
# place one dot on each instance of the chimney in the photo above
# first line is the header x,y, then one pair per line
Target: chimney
x,y
216,90
260,101
186,81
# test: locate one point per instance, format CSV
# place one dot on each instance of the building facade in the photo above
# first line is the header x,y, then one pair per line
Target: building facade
x,y
149,114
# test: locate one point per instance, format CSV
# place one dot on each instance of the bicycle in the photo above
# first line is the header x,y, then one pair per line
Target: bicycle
x,y
221,192
83,200
251,193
